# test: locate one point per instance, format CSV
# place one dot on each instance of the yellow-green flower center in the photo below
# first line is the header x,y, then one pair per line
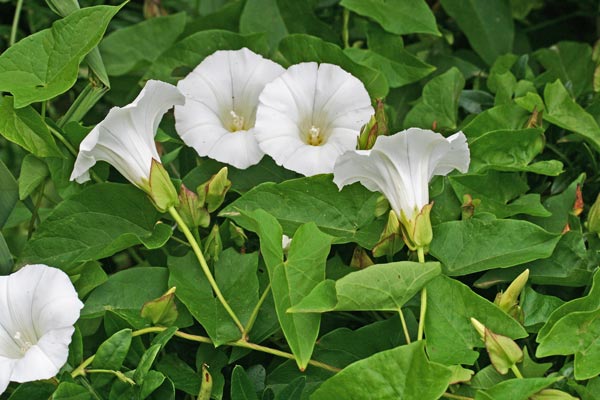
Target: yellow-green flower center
x,y
314,136
237,122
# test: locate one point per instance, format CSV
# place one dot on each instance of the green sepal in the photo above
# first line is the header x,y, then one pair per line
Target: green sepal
x,y
160,188
390,242
190,209
212,192
161,311
417,232
504,353
213,245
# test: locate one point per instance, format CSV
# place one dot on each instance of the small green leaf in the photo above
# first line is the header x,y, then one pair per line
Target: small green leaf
x,y
388,375
45,64
71,391
25,127
9,193
438,107
241,386
33,172
514,389
112,352
385,287
33,390
6,259
397,16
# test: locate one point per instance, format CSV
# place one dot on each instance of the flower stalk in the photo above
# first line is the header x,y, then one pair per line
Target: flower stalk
x,y
421,255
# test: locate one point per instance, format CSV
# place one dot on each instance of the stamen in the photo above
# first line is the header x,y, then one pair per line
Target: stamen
x,y
237,121
23,344
314,136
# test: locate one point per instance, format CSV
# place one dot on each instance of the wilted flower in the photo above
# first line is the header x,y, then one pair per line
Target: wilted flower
x,y
217,119
125,139
400,166
310,115
38,309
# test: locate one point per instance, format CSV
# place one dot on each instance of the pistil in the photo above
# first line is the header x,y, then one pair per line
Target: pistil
x,y
314,136
237,121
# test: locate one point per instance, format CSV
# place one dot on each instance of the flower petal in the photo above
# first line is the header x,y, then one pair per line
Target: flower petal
x,y
225,86
125,138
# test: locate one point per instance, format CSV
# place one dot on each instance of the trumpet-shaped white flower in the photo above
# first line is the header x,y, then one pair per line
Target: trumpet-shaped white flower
x,y
311,115
38,310
400,167
125,138
218,117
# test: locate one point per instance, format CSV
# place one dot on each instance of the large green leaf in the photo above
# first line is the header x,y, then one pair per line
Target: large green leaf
x,y
383,287
96,223
515,389
457,244
236,277
140,44
25,127
185,55
488,25
503,117
579,319
396,16
347,215
9,193
45,64
127,290
294,278
561,110
389,375
297,48
450,335
438,107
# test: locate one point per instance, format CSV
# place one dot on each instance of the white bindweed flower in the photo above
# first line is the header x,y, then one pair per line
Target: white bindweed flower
x,y
400,166
125,138
38,310
310,115
221,93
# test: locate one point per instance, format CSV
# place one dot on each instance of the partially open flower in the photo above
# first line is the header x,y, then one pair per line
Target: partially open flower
x,y
38,310
217,119
125,139
400,166
311,115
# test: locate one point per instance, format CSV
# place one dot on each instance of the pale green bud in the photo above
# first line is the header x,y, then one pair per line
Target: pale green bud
x,y
212,192
160,188
161,311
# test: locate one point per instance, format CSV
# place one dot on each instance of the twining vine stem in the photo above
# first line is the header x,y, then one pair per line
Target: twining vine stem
x,y
421,254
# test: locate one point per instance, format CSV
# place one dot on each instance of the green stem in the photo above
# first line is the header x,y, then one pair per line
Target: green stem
x,y
35,213
80,370
345,34
516,371
118,374
196,248
63,140
455,396
421,255
404,326
254,314
15,24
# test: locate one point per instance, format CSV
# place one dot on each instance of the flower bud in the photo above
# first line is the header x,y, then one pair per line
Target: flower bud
x,y
237,235
593,218
161,311
509,301
552,394
504,353
390,241
213,244
190,209
376,126
212,192
160,188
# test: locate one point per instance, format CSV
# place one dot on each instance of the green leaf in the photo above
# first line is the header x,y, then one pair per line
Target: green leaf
x,y
347,215
391,374
511,150
561,110
112,352
71,391
126,290
241,386
537,308
397,16
299,48
9,193
503,117
33,172
457,244
145,364
6,259
33,390
45,64
236,276
499,193
515,389
579,319
371,288
403,69
25,127
137,46
91,276
488,25
96,223
181,374
185,55
439,104
450,335
294,278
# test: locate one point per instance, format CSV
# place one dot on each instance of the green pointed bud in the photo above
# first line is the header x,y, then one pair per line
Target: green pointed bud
x,y
213,245
504,353
190,209
161,311
390,242
417,232
509,301
212,192
377,126
237,234
552,394
360,258
382,206
593,218
160,188
206,385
